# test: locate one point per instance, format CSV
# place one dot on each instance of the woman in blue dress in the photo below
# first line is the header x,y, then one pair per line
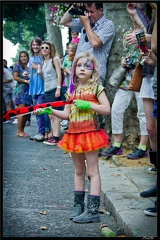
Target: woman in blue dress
x,y
21,93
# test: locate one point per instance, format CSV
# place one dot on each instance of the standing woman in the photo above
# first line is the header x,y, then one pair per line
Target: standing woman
x,y
51,73
21,93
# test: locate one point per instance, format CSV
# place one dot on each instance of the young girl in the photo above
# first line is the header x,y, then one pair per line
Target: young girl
x,y
83,137
21,93
51,73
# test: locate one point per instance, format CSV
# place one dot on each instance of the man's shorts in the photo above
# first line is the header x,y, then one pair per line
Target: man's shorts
x,y
155,108
8,96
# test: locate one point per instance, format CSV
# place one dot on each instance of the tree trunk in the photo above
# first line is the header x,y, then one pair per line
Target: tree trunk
x,y
53,32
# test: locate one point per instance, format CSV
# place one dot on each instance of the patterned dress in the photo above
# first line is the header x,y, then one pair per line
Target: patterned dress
x,y
84,134
22,89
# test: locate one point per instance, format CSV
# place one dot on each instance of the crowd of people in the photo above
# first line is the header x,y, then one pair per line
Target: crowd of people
x,y
39,79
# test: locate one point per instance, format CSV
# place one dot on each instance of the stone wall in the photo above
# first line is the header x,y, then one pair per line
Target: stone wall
x,y
120,17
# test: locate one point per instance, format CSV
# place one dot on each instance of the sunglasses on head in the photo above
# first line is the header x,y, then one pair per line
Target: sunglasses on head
x,y
44,47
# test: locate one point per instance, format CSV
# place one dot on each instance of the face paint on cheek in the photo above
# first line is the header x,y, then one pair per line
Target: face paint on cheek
x,y
88,65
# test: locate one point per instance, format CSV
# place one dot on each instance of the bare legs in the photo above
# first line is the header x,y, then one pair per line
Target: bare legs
x,y
55,123
151,122
93,172
21,124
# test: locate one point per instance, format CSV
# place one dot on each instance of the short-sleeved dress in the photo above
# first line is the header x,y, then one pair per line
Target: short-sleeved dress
x,y
84,134
21,92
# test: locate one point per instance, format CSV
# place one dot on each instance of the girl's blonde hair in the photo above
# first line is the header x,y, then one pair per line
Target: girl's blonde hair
x,y
52,49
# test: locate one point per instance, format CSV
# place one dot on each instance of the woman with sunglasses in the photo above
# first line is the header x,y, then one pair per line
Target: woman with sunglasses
x,y
51,74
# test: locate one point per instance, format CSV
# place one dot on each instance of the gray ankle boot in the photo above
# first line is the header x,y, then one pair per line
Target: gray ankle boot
x,y
78,204
91,214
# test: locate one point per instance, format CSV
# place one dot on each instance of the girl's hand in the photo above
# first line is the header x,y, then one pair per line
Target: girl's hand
x,y
82,104
40,111
37,111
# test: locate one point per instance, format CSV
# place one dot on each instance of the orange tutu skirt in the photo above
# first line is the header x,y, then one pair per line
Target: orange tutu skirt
x,y
84,142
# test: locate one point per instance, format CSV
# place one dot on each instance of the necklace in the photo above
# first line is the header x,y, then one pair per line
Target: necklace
x,y
82,89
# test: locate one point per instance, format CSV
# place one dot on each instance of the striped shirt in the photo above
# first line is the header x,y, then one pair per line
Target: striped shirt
x,y
105,30
82,120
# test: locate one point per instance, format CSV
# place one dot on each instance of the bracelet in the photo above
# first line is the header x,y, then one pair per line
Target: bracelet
x,y
59,87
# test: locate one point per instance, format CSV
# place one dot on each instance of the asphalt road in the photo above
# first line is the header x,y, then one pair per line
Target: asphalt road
x,y
38,178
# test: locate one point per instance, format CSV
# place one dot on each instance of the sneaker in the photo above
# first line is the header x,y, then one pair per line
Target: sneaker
x,y
138,153
15,121
51,141
112,151
151,211
8,122
28,123
152,192
152,170
65,123
38,137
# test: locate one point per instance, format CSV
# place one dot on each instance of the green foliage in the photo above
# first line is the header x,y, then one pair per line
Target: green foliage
x,y
23,22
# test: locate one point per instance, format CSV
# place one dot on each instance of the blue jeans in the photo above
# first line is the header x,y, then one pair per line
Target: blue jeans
x,y
40,118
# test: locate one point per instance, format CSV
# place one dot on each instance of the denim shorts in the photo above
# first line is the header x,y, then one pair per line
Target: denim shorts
x,y
50,97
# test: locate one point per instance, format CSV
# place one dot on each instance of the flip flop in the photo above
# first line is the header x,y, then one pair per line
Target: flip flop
x,y
22,135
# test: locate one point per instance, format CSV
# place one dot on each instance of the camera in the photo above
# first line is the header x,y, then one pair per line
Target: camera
x,y
130,63
78,11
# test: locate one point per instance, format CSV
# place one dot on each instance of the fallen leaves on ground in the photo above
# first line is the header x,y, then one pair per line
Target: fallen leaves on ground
x,y
43,228
43,212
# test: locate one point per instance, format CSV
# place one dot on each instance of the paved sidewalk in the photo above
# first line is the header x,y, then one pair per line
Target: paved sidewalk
x,y
121,188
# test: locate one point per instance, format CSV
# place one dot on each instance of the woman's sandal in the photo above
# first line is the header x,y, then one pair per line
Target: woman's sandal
x,y
22,134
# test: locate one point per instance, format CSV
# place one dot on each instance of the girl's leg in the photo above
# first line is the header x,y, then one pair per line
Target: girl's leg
x,y
91,214
80,171
79,181
93,172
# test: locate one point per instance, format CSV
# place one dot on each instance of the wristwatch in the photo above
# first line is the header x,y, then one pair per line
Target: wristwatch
x,y
59,87
25,81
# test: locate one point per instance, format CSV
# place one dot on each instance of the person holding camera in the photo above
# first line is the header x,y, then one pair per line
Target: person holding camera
x,y
123,97
97,32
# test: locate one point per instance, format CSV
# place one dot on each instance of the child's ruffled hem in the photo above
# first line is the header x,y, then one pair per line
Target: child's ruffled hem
x,y
85,142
